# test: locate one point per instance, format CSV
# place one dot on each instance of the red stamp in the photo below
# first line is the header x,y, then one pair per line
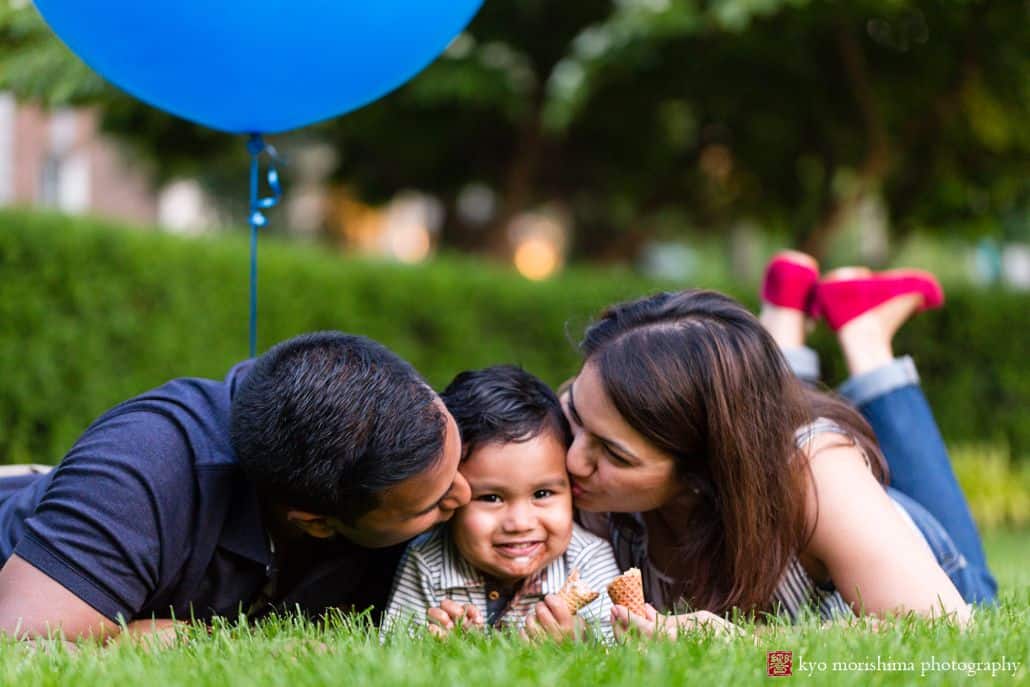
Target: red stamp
x,y
779,663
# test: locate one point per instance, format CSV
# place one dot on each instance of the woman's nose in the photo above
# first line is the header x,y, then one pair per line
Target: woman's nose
x,y
577,462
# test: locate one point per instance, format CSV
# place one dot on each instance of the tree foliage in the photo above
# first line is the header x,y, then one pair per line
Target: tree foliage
x,y
627,113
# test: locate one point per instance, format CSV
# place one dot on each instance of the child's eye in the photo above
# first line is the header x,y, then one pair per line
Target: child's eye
x,y
489,498
542,493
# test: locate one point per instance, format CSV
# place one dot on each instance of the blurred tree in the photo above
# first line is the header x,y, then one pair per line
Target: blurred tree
x,y
793,112
629,112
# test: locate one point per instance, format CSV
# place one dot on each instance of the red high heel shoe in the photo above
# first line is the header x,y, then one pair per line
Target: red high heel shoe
x,y
789,282
840,301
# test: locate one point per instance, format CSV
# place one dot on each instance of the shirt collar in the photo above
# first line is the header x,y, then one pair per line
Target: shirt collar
x,y
455,571
243,531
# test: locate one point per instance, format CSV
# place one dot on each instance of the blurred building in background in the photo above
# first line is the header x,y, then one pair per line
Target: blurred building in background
x,y
62,159
58,159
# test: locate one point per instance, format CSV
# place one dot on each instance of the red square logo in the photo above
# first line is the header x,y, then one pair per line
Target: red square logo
x,y
779,663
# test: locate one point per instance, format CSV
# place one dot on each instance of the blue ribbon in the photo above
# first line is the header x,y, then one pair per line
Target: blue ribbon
x,y
256,146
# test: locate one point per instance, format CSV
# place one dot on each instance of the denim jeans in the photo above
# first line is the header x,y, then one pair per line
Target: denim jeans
x,y
921,477
974,582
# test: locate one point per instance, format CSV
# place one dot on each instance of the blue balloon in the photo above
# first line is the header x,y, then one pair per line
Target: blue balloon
x,y
260,66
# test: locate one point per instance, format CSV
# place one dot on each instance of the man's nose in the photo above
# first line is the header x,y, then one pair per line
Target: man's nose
x,y
459,495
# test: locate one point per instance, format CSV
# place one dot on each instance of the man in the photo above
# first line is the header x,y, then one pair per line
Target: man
x,y
289,485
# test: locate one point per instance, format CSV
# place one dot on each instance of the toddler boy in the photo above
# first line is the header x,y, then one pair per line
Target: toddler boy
x,y
515,542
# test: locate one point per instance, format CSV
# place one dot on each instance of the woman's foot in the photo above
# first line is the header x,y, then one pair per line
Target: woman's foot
x,y
851,291
787,292
865,335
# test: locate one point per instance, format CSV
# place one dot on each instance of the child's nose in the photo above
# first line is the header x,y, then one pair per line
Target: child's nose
x,y
518,517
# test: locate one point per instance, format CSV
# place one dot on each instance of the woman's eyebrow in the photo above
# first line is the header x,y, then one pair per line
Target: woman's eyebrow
x,y
572,407
579,421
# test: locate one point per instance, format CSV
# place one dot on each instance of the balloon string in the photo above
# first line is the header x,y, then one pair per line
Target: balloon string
x,y
256,146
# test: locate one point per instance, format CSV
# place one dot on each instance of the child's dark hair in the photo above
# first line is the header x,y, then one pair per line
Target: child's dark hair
x,y
503,404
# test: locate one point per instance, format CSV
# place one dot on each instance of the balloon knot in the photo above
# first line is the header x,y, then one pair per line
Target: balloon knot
x,y
255,145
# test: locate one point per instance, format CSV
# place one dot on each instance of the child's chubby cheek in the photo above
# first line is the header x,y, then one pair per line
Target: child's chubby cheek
x,y
509,553
520,515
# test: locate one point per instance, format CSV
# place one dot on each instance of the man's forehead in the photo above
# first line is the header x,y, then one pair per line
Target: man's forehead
x,y
422,490
417,493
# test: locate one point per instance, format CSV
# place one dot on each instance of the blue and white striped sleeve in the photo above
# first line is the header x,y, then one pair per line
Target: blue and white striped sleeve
x,y
412,593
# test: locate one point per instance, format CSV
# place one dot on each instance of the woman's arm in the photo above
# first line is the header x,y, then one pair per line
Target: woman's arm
x,y
874,557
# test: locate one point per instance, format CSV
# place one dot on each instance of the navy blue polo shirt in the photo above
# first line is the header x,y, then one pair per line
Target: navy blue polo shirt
x,y
150,515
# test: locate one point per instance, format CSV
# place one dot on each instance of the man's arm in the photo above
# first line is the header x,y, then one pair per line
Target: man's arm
x,y
114,524
33,605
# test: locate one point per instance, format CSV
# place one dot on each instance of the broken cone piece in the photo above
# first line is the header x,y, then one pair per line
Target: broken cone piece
x,y
575,593
628,590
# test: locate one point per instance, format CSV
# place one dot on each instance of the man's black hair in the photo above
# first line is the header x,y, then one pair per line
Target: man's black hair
x,y
503,404
325,422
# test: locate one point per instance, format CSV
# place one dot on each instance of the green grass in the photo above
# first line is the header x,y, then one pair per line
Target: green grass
x,y
342,652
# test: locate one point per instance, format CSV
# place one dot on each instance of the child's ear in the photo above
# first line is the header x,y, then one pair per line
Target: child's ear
x,y
313,525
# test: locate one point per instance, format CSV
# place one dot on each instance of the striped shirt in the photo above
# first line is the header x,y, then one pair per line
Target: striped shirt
x,y
432,570
796,594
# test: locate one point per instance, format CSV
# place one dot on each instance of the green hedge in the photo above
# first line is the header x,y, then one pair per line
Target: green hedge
x,y
91,314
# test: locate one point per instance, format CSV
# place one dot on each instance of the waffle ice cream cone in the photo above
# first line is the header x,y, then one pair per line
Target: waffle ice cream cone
x,y
575,593
628,590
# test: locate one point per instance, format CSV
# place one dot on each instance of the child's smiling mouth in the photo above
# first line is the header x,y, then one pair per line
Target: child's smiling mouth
x,y
521,549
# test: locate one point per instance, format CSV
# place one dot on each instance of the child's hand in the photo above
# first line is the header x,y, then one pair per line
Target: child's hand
x,y
669,626
552,618
450,615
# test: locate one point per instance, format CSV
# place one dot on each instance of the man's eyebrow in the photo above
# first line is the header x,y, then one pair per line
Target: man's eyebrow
x,y
579,421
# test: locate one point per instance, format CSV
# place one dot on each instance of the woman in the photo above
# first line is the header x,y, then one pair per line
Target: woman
x,y
732,485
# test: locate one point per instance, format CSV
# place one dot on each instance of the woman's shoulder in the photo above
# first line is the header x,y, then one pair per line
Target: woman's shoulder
x,y
819,427
842,498
823,433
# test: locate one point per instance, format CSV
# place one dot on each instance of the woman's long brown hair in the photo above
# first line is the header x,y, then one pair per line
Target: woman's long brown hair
x,y
697,375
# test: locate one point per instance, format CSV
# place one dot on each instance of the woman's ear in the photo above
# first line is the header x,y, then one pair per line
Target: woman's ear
x,y
313,525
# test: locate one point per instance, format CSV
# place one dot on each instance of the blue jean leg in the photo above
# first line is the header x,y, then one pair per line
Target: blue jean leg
x,y
968,580
892,401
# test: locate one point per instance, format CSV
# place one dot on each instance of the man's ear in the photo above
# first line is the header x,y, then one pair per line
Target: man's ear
x,y
311,524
